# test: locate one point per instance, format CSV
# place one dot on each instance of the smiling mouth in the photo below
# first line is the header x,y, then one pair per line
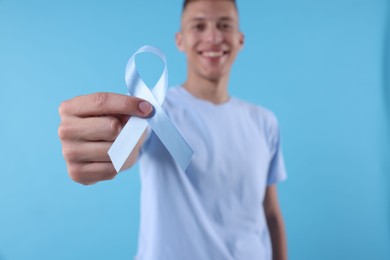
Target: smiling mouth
x,y
213,54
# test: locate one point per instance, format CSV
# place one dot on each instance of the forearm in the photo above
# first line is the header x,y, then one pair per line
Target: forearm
x,y
278,237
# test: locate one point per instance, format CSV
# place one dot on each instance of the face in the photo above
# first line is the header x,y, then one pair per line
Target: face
x,y
210,37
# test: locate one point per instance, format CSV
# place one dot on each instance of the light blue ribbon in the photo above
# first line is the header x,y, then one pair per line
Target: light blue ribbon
x,y
159,122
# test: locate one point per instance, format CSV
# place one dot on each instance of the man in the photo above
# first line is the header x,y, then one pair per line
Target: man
x,y
224,206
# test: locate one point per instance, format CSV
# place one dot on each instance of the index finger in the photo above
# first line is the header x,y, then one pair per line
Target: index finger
x,y
103,103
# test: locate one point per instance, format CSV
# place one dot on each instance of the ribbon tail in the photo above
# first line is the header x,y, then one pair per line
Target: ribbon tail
x,y
173,140
124,144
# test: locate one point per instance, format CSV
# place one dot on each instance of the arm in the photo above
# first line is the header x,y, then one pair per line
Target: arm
x,y
89,126
275,223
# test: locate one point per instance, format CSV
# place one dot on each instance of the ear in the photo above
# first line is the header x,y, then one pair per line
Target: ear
x,y
179,41
241,39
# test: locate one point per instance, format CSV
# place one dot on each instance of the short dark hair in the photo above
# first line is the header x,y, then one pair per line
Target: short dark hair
x,y
186,2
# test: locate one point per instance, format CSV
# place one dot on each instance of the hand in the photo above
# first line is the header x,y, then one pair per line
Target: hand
x,y
89,125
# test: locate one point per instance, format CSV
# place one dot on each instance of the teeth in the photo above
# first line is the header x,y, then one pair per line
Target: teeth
x,y
212,54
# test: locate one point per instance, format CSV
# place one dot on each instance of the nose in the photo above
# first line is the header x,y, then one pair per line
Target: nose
x,y
214,35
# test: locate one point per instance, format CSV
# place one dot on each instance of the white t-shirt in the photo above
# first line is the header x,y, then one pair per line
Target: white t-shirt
x,y
213,210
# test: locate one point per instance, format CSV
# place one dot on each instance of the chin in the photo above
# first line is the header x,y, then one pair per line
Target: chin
x,y
214,74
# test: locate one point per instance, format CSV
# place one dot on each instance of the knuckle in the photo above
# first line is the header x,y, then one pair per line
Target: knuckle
x,y
77,175
85,182
69,152
63,108
110,174
101,99
60,132
115,127
74,172
64,131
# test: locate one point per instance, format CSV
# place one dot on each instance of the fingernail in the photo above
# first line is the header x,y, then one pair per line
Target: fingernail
x,y
145,107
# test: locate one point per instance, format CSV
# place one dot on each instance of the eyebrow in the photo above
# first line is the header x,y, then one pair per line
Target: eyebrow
x,y
202,19
224,18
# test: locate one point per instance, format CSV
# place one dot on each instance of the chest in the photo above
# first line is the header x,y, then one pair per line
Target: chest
x,y
229,148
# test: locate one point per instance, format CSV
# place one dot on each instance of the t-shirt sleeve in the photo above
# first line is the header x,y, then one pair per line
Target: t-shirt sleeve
x,y
276,169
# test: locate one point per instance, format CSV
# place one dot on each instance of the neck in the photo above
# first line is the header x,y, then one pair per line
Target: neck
x,y
215,91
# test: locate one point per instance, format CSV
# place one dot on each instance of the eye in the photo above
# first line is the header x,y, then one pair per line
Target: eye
x,y
199,27
224,26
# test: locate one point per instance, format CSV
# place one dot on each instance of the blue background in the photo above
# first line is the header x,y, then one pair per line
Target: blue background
x,y
322,66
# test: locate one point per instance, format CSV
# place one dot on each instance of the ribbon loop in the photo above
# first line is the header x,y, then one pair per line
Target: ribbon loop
x,y
160,122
